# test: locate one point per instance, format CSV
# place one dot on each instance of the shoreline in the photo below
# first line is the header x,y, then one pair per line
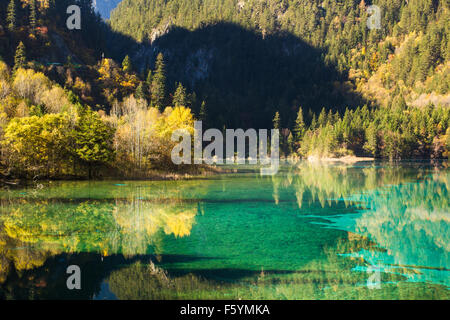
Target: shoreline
x,y
209,171
345,159
149,176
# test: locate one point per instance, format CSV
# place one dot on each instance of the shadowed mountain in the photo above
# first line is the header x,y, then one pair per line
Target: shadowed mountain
x,y
245,77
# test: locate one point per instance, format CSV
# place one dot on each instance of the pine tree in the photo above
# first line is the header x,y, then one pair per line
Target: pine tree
x,y
148,85
11,15
179,97
20,57
276,121
371,140
330,118
126,64
423,64
33,16
148,81
291,144
300,128
322,121
140,91
399,103
158,87
313,125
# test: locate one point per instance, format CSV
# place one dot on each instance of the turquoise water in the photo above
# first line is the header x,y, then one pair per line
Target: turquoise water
x,y
366,231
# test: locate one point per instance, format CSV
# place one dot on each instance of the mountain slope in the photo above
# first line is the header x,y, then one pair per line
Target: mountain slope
x,y
234,75
337,30
244,77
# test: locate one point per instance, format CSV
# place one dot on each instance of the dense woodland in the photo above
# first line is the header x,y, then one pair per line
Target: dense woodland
x,y
408,56
105,99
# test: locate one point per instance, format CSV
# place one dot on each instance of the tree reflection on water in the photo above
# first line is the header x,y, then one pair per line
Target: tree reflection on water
x,y
118,234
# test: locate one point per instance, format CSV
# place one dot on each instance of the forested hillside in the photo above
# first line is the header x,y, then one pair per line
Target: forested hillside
x,y
105,99
339,26
410,52
41,26
67,112
250,59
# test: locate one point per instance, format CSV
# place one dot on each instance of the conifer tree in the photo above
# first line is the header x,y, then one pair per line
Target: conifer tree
x,y
399,103
148,80
33,16
148,85
371,137
313,122
276,121
179,97
330,117
291,144
300,128
20,57
126,64
322,120
11,16
158,87
140,91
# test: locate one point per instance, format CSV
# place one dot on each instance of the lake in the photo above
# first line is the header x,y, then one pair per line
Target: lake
x,y
335,231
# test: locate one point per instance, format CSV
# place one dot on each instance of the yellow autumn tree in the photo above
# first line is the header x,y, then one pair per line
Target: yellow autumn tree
x,y
38,145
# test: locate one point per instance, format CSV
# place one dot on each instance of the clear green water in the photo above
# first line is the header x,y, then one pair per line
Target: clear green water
x,y
373,231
